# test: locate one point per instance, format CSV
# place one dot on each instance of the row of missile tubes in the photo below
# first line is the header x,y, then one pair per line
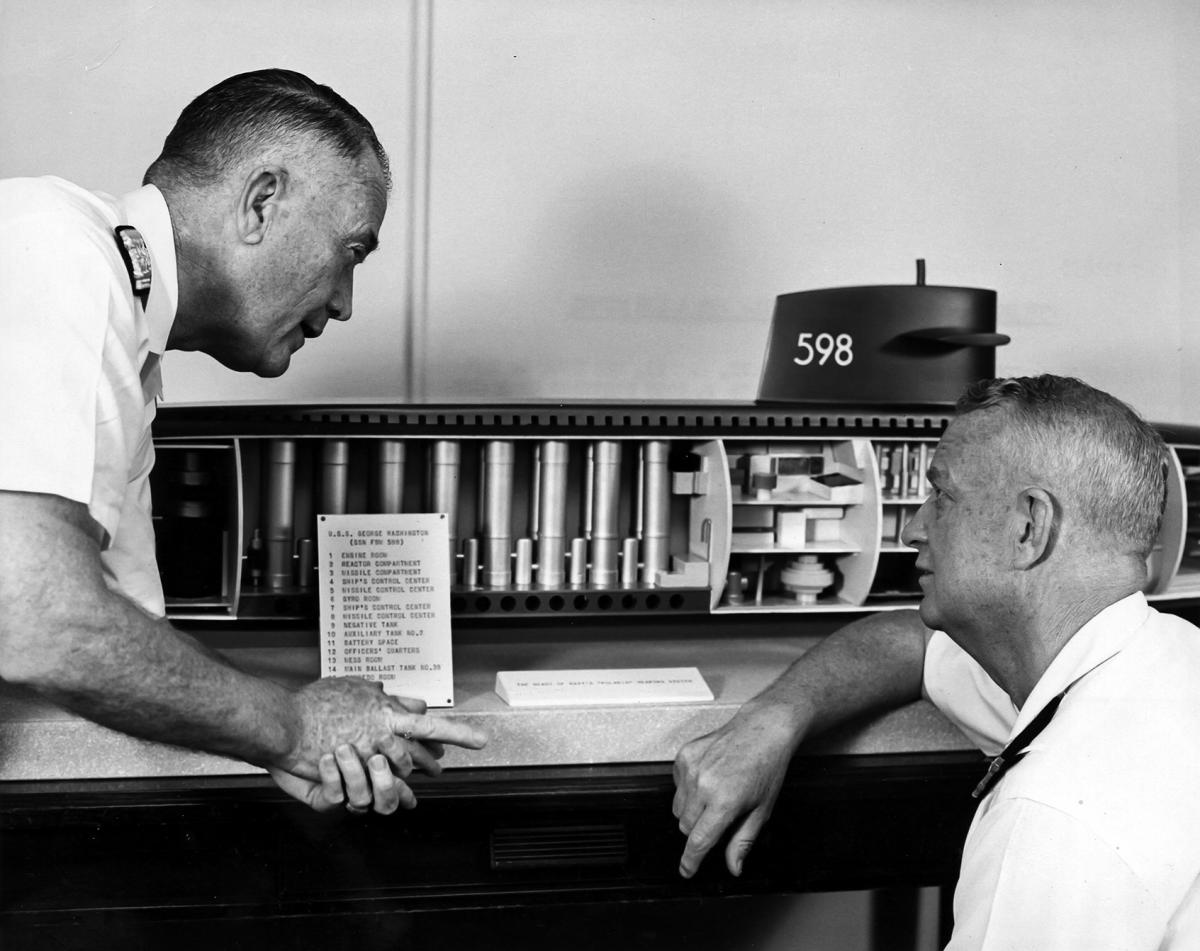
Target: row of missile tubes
x,y
600,558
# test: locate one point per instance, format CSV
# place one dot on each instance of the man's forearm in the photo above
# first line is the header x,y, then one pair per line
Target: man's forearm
x,y
66,635
732,776
141,676
871,664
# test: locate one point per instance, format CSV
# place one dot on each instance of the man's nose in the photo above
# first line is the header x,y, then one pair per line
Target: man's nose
x,y
341,304
913,532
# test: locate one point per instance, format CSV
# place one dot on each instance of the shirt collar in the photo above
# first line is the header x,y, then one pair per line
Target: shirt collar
x,y
146,210
1104,636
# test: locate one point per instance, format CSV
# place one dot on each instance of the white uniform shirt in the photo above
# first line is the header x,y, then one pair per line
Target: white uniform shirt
x,y
74,343
1092,841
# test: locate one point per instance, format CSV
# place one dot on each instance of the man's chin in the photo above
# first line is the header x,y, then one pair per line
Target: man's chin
x,y
268,365
272,370
273,363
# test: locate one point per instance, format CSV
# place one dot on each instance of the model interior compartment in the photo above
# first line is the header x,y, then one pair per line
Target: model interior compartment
x,y
536,525
696,512
903,485
195,493
804,523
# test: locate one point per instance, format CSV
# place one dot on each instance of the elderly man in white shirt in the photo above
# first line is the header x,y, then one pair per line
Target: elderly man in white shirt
x,y
241,243
1034,637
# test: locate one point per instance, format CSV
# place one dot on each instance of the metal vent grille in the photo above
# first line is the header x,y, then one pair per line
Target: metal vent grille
x,y
559,847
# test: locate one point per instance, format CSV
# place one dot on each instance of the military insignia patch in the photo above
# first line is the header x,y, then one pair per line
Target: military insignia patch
x,y
137,261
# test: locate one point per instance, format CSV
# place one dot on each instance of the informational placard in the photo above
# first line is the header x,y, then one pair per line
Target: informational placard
x,y
599,688
385,602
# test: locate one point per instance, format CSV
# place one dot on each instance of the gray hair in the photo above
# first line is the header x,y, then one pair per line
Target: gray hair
x,y
1110,463
250,110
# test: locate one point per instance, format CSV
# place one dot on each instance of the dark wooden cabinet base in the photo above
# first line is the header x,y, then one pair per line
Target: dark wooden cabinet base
x,y
542,856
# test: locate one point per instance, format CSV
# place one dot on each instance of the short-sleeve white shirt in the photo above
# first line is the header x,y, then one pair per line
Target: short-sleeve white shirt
x,y
1093,839
75,412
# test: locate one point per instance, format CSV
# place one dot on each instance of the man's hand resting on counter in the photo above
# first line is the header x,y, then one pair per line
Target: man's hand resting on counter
x,y
732,775
326,768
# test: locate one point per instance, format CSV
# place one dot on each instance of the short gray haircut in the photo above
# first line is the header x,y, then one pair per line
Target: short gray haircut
x,y
253,109
1111,464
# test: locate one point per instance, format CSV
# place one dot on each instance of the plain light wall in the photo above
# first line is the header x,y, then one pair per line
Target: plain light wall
x,y
88,91
617,191
621,189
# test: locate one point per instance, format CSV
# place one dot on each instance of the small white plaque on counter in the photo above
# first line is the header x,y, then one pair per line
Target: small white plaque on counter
x,y
597,688
385,602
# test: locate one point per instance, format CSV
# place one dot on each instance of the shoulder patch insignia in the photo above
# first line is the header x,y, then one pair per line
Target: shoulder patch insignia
x,y
137,261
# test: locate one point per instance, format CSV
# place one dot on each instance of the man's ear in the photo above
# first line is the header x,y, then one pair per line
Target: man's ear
x,y
258,203
1037,527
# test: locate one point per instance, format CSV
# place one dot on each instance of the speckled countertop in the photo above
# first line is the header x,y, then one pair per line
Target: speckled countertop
x,y
38,741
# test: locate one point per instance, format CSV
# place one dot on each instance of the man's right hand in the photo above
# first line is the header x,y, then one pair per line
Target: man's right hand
x,y
732,775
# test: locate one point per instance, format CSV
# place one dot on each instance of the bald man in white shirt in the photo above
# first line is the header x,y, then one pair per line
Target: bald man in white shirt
x,y
1034,637
241,243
